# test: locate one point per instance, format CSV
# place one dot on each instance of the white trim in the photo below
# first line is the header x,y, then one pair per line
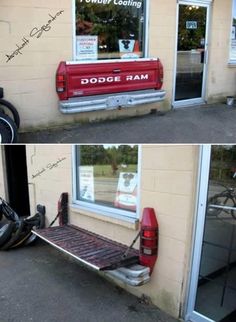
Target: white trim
x,y
198,2
73,30
199,100
100,61
146,29
80,207
105,210
231,61
203,181
73,173
188,103
145,35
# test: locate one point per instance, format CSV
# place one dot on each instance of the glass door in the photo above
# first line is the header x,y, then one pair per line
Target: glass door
x,y
191,53
212,294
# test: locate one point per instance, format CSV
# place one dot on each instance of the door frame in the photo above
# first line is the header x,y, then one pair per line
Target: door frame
x,y
201,100
17,186
203,183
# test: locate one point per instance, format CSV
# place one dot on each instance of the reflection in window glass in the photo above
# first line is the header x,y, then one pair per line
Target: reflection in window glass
x,y
233,34
109,29
216,295
107,175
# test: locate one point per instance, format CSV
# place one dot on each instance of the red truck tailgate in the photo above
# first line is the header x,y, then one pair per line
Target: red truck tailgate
x,y
97,78
91,249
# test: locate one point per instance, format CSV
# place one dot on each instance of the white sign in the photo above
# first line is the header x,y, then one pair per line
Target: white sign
x,y
191,24
87,47
126,196
126,45
86,183
127,182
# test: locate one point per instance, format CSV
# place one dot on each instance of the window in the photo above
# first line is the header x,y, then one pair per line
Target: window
x,y
233,34
106,178
107,29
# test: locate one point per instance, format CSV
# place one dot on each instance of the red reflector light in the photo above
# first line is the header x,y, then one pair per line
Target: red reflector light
x,y
60,78
149,233
149,243
61,83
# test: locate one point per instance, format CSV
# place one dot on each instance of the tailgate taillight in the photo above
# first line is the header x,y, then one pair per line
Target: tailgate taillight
x,y
60,83
160,75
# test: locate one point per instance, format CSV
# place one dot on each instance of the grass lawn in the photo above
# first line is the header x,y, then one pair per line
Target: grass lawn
x,y
106,170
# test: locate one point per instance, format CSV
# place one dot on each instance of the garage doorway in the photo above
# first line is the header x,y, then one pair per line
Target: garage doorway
x,y
17,179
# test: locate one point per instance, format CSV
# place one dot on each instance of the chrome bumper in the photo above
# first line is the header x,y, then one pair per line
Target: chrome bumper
x,y
110,101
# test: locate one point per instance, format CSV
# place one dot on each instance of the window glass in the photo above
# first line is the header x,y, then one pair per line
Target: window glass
x,y
107,176
233,34
107,29
216,292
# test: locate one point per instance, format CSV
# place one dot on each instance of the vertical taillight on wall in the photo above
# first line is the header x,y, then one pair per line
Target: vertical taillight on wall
x,y
62,209
61,81
148,239
160,74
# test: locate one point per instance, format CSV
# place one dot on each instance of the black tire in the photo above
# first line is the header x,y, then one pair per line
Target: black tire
x,y
39,223
22,240
8,212
7,107
5,232
8,130
15,236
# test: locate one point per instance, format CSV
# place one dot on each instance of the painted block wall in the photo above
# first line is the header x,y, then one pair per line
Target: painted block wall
x,y
168,184
29,78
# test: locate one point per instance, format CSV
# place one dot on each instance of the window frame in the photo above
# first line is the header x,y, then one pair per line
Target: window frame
x,y
231,61
107,211
146,36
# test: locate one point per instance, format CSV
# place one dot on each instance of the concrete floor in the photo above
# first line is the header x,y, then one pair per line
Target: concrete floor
x,y
40,284
201,124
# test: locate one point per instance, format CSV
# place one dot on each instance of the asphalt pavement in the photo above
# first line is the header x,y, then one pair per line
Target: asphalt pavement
x,y
41,284
200,124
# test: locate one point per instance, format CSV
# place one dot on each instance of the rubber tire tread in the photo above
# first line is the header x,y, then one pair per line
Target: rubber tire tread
x,y
7,234
13,110
8,123
41,225
15,237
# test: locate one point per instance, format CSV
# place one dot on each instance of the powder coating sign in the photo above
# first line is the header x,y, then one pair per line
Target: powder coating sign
x,y
86,183
125,3
87,47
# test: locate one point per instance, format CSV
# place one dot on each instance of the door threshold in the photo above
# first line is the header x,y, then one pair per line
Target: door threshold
x,y
188,103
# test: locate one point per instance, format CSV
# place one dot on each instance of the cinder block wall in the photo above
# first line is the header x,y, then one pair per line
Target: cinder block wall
x,y
29,78
221,80
49,174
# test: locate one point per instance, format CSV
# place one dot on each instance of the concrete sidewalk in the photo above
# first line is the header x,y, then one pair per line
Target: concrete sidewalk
x,y
201,124
40,284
